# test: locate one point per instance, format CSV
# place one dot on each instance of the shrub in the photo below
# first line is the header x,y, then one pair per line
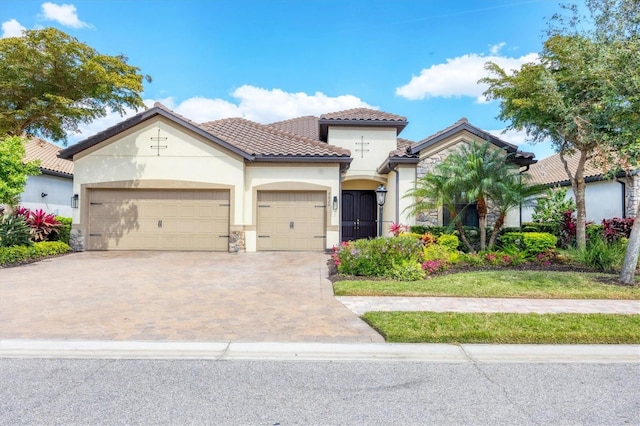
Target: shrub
x,y
472,259
406,271
14,231
64,231
22,254
433,266
42,224
498,258
377,256
552,208
421,229
529,243
603,256
616,228
450,241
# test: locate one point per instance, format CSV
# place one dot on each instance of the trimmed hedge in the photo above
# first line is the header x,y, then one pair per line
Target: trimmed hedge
x,y
530,243
23,254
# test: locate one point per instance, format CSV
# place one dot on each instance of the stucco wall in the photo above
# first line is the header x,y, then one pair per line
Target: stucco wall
x,y
129,157
604,200
58,199
381,141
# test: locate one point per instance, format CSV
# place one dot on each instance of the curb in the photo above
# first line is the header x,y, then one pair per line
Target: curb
x,y
290,351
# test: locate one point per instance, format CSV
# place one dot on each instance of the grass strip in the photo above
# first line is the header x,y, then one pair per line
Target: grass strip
x,y
458,328
505,283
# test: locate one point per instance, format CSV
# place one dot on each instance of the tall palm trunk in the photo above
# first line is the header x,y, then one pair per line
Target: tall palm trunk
x,y
482,222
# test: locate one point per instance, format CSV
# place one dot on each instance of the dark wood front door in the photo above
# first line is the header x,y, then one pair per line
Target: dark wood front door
x,y
358,215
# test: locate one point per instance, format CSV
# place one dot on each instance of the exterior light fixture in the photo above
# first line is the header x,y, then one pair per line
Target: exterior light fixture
x,y
74,201
381,196
43,194
334,205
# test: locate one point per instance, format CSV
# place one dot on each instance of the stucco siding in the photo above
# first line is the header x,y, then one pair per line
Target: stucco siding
x,y
58,199
378,143
604,200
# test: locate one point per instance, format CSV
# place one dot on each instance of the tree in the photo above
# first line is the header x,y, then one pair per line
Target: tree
x,y
434,190
50,83
583,94
476,173
13,170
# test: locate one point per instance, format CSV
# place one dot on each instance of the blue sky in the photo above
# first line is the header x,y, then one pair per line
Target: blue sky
x,y
273,60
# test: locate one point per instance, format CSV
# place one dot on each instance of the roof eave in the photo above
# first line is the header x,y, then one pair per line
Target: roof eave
x,y
56,173
419,146
392,162
302,158
68,153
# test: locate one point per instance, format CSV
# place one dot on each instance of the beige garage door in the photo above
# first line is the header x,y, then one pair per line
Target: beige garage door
x,y
291,220
132,219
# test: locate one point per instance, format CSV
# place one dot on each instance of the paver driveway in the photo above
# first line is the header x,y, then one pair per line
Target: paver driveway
x,y
192,296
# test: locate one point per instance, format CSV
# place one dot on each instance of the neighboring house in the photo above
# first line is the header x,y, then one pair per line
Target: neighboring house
x,y
605,196
159,181
52,189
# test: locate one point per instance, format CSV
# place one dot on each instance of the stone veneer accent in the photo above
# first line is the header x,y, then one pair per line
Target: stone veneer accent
x,y
76,240
632,188
425,166
236,242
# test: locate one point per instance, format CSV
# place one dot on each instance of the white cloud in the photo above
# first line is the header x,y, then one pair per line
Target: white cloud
x,y
64,14
495,49
253,103
459,76
12,28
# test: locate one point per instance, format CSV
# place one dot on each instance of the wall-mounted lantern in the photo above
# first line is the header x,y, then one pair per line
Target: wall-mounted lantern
x,y
74,201
334,205
43,194
381,196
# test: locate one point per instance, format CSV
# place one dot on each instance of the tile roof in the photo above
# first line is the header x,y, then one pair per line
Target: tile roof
x,y
550,170
402,148
47,153
363,114
304,126
263,140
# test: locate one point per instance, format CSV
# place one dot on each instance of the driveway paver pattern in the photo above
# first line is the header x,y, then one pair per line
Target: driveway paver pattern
x,y
177,296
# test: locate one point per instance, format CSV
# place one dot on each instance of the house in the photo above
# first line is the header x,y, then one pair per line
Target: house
x,y
605,196
51,190
159,181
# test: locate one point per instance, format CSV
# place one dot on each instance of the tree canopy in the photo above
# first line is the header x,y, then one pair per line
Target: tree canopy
x,y
13,171
51,82
583,94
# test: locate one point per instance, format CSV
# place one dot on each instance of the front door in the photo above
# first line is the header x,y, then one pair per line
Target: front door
x,y
358,215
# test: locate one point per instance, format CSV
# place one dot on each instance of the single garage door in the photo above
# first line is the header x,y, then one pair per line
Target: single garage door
x,y
145,219
291,220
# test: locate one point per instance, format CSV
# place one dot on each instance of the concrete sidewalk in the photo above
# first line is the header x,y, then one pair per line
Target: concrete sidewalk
x,y
226,351
359,305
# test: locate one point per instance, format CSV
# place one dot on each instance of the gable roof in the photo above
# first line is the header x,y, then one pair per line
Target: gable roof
x,y
252,141
262,141
47,153
360,117
550,170
520,157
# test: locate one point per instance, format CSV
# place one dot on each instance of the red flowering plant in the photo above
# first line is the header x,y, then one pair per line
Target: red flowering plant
x,y
616,228
398,228
41,223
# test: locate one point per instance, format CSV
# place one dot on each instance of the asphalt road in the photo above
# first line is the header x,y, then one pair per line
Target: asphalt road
x,y
99,391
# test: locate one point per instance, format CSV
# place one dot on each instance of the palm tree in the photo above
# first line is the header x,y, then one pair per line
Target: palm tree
x,y
478,174
477,171
512,191
433,191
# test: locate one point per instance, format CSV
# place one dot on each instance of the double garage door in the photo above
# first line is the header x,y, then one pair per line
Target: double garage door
x,y
142,219
147,219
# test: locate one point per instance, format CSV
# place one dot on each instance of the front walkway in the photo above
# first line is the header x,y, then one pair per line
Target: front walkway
x,y
360,305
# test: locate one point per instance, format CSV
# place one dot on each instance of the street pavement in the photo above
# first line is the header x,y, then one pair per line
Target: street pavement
x,y
136,392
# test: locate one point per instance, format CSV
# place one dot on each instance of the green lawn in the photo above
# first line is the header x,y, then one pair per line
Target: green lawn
x,y
503,283
458,328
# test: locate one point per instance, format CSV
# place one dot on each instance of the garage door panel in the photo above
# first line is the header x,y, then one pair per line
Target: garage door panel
x,y
158,220
291,220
